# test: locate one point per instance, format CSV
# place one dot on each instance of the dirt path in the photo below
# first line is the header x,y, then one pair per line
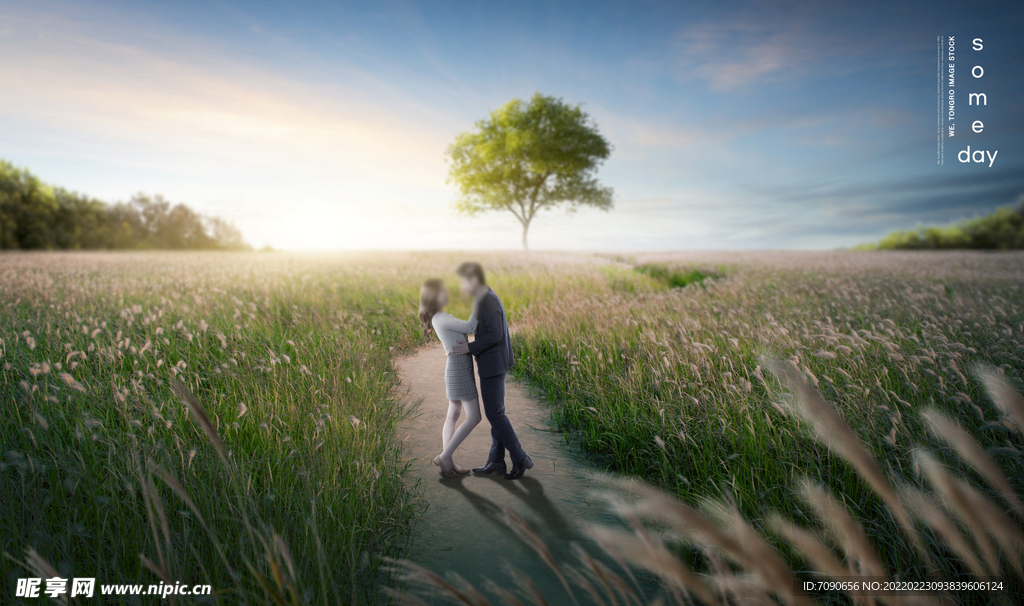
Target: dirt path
x,y
461,530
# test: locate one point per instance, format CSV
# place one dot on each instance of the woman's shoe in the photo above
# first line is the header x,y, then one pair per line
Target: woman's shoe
x,y
459,468
448,473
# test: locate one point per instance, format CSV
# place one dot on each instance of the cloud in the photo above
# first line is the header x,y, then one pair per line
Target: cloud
x,y
751,64
651,133
200,108
761,42
736,54
917,187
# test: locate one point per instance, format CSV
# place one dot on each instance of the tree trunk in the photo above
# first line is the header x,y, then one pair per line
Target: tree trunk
x,y
526,228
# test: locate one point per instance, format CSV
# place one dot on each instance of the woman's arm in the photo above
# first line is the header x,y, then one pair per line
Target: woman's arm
x,y
449,322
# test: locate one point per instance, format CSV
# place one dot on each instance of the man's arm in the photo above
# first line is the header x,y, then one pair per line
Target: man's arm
x,y
492,327
461,347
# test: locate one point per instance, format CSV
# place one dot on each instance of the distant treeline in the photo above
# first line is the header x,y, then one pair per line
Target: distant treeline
x,y
34,215
1002,230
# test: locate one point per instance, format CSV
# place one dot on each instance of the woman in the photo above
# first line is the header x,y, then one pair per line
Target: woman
x,y
459,378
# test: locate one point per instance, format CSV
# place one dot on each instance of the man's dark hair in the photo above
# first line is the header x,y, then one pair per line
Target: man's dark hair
x,y
472,269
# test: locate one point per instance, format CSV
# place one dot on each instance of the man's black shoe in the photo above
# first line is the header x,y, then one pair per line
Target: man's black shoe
x,y
518,469
491,467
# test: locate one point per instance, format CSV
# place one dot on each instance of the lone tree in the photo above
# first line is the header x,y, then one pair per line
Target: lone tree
x,y
527,157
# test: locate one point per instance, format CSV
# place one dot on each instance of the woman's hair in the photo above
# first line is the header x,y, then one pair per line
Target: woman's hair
x,y
430,294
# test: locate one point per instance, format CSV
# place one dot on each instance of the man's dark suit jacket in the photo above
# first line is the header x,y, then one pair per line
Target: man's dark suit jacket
x,y
492,347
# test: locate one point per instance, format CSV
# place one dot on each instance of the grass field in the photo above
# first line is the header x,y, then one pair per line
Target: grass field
x,y
675,386
658,366
290,357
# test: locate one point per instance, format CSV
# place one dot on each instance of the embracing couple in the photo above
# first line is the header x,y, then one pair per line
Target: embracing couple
x,y
492,349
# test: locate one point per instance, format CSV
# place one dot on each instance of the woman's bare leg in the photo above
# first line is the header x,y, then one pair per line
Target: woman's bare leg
x,y
450,422
448,430
472,408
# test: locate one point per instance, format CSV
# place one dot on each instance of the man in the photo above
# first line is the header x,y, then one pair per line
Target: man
x,y
492,349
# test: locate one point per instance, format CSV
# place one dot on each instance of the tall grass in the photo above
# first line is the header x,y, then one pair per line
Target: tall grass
x,y
109,471
675,387
106,473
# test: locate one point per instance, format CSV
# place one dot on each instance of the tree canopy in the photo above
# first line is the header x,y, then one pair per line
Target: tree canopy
x,y
527,157
1001,230
34,215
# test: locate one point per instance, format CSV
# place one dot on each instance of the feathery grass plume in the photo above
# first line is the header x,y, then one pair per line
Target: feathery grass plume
x,y
590,577
283,591
950,431
283,586
523,580
657,505
579,579
505,595
610,549
741,589
156,569
268,590
772,572
409,572
320,559
845,530
474,594
625,590
833,430
179,490
71,382
648,552
922,505
813,551
528,535
189,399
1006,532
610,581
960,504
38,566
1003,394
154,513
281,549
161,515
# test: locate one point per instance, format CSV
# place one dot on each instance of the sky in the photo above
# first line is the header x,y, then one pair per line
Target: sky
x,y
324,125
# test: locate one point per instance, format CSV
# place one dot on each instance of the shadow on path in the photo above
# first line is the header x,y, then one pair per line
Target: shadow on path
x,y
463,528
